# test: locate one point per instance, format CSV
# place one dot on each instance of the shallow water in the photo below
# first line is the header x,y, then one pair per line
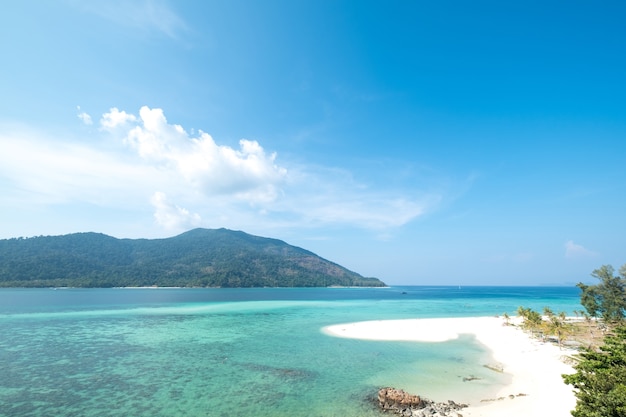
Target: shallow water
x,y
238,352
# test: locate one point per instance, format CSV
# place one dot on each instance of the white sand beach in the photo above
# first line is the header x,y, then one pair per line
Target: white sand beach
x,y
535,367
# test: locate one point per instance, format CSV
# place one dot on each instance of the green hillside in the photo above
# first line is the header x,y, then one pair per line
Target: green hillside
x,y
198,258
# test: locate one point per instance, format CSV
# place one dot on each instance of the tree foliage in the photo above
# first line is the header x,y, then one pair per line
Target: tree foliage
x,y
553,324
198,258
606,299
557,325
532,320
600,379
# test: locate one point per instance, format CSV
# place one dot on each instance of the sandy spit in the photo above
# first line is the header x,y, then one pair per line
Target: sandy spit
x,y
536,367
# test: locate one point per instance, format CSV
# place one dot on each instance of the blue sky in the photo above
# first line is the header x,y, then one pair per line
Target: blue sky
x,y
419,142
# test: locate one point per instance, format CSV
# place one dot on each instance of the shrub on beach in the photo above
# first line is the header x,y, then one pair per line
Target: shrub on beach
x,y
600,378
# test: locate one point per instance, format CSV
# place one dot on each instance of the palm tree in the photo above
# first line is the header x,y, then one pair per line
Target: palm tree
x,y
535,322
522,312
532,319
547,311
558,326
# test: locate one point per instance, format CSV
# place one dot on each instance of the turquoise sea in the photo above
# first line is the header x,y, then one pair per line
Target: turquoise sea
x,y
239,352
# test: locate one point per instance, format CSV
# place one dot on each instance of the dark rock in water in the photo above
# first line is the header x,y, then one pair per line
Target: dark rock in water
x,y
392,398
402,403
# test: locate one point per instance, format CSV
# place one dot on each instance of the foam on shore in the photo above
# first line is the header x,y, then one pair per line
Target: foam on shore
x,y
537,388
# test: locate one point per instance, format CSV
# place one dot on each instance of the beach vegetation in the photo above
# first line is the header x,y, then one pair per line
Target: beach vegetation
x,y
550,324
600,378
607,299
557,325
531,321
588,320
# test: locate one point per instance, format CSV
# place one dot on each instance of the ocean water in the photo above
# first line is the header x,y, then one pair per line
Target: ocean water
x,y
239,352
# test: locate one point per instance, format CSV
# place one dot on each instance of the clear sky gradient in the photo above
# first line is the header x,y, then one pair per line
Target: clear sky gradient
x,y
421,142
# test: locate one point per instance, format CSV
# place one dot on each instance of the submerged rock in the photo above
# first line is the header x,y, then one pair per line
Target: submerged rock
x,y
402,403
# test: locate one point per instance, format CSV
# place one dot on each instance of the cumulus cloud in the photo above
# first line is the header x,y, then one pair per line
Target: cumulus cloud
x,y
140,164
247,172
115,118
574,251
171,216
85,117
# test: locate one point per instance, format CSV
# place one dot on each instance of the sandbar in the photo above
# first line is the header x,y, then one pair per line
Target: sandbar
x,y
535,366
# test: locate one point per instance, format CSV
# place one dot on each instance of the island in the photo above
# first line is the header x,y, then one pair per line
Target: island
x,y
197,258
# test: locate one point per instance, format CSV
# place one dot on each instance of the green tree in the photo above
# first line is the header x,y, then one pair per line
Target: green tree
x,y
600,379
608,297
521,311
589,299
557,325
532,319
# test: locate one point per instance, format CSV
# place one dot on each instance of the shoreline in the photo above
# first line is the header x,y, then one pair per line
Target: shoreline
x,y
535,366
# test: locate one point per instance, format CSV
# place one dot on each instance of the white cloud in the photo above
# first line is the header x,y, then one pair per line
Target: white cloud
x,y
143,15
370,211
574,251
43,170
85,117
115,118
146,165
247,173
319,196
172,217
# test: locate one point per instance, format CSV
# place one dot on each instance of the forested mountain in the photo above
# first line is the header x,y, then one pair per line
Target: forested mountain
x,y
198,258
